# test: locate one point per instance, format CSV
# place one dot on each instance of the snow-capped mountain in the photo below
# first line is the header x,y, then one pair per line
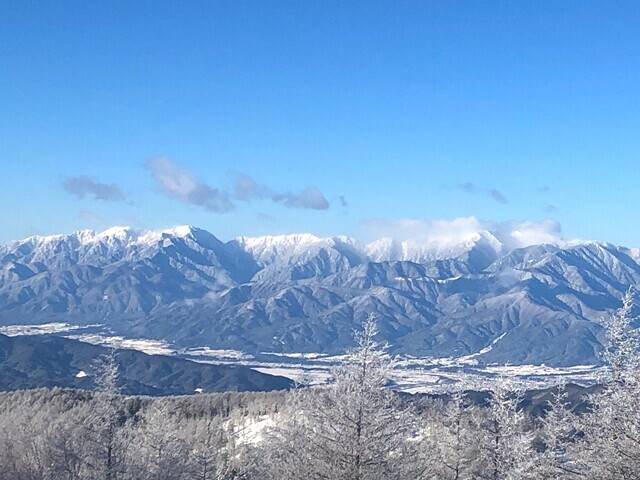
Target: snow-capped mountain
x,y
387,249
302,293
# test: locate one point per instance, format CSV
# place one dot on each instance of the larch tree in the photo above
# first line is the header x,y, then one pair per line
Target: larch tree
x,y
105,449
158,452
559,434
610,447
452,437
353,429
507,444
212,450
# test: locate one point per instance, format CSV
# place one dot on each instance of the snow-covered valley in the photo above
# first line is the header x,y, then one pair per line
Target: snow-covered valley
x,y
410,374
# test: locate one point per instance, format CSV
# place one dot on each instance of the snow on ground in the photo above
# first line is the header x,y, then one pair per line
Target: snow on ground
x,y
151,347
473,358
539,370
250,431
411,375
43,329
312,356
225,354
299,374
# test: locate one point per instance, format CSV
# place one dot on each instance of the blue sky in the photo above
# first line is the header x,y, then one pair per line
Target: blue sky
x,y
249,118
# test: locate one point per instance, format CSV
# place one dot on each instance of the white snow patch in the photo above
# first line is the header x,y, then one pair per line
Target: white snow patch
x,y
311,356
471,359
251,431
298,373
221,354
42,329
151,347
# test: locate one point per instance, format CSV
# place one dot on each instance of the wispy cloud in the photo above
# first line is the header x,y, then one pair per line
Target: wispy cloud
x,y
180,183
550,209
309,198
246,188
84,186
473,189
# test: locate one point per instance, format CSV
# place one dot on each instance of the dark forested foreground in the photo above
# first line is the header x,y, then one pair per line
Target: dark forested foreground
x,y
50,361
354,429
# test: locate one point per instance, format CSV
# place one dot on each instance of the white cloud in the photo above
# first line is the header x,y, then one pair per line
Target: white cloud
x,y
513,234
180,183
421,230
524,234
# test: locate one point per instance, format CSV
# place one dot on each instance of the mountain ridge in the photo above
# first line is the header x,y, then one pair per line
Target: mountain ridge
x,y
301,293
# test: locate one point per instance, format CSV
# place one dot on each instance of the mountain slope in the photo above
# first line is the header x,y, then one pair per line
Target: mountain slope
x,y
302,293
48,361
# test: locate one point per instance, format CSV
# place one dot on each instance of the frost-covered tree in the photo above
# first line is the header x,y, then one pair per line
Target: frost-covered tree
x,y
353,429
610,447
621,352
105,444
213,454
506,443
158,452
454,443
559,433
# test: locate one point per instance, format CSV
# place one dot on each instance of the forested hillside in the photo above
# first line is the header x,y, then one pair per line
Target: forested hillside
x,y
49,361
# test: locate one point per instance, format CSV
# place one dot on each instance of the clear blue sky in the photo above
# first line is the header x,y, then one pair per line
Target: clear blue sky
x,y
146,113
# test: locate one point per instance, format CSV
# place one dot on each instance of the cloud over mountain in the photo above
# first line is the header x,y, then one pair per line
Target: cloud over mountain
x,y
518,288
514,234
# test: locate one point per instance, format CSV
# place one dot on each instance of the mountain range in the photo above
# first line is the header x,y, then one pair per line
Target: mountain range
x,y
302,293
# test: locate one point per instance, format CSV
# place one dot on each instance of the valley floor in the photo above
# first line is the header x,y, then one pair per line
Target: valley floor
x,y
410,374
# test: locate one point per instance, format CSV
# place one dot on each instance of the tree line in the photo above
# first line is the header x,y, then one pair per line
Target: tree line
x,y
355,428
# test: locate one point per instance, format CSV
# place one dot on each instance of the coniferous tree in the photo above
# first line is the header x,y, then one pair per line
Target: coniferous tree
x,y
559,433
453,439
353,429
507,444
105,444
610,447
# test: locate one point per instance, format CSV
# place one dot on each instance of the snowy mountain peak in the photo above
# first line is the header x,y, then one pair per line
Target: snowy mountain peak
x,y
181,230
114,233
434,248
437,295
271,249
288,240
